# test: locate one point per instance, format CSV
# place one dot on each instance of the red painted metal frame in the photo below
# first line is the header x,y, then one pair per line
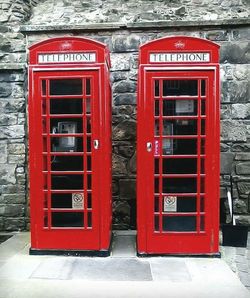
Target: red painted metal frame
x,y
98,237
149,241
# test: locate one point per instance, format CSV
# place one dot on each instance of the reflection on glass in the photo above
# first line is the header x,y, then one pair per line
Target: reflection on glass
x,y
179,107
67,163
157,228
179,146
66,144
179,127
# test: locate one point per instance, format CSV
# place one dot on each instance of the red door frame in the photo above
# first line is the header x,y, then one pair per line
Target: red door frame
x,y
176,243
98,237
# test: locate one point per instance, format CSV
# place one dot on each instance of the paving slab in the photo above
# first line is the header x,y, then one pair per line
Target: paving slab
x,y
118,276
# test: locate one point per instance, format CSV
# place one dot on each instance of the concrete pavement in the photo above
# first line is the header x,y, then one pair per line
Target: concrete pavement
x,y
121,275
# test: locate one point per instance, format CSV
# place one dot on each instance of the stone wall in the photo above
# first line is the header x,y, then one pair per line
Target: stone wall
x,y
123,40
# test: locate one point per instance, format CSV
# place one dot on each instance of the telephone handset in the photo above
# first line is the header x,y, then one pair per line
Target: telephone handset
x,y
65,144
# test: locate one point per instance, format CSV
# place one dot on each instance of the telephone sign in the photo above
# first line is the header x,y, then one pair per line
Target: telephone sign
x,y
178,116
69,113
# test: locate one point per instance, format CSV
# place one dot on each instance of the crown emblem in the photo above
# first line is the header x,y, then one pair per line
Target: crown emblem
x,y
179,44
66,45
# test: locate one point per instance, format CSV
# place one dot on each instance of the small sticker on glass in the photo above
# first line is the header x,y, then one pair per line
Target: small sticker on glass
x,y
77,200
170,204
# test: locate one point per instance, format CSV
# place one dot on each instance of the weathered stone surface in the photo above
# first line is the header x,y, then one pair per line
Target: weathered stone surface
x,y
226,162
127,188
14,224
243,220
232,130
226,111
5,90
126,150
132,164
13,131
125,130
121,211
125,87
217,35
241,111
244,187
13,198
241,72
241,34
118,76
17,105
115,187
224,147
16,149
3,152
11,210
240,206
238,147
234,52
8,119
120,62
243,168
123,44
235,92
118,165
7,174
125,99
242,156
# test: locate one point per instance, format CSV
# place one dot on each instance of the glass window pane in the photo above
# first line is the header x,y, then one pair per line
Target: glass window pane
x,y
67,163
66,106
179,146
88,87
156,204
156,223
180,87
179,127
67,219
66,144
66,87
179,185
66,181
179,166
179,223
157,89
157,107
184,204
179,107
203,87
66,125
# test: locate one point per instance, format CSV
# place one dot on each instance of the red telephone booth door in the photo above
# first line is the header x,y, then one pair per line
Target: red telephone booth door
x,y
178,160
65,109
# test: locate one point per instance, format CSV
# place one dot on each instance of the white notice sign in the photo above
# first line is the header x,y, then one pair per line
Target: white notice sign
x,y
77,200
67,57
170,204
179,57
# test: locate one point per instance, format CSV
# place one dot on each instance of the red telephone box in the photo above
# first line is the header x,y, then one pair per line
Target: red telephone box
x,y
178,147
70,146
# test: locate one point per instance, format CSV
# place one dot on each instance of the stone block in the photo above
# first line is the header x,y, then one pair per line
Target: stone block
x,y
14,224
118,165
13,131
243,168
242,156
125,87
234,53
126,150
125,130
3,152
226,162
12,210
117,76
127,188
221,35
123,43
241,147
240,206
8,119
243,219
12,106
226,111
241,111
16,149
125,99
120,62
232,130
16,198
10,189
16,159
241,72
244,187
5,89
235,92
241,34
7,174
224,147
115,187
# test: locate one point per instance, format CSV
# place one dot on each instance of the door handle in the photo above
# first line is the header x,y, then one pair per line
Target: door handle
x,y
149,146
96,144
